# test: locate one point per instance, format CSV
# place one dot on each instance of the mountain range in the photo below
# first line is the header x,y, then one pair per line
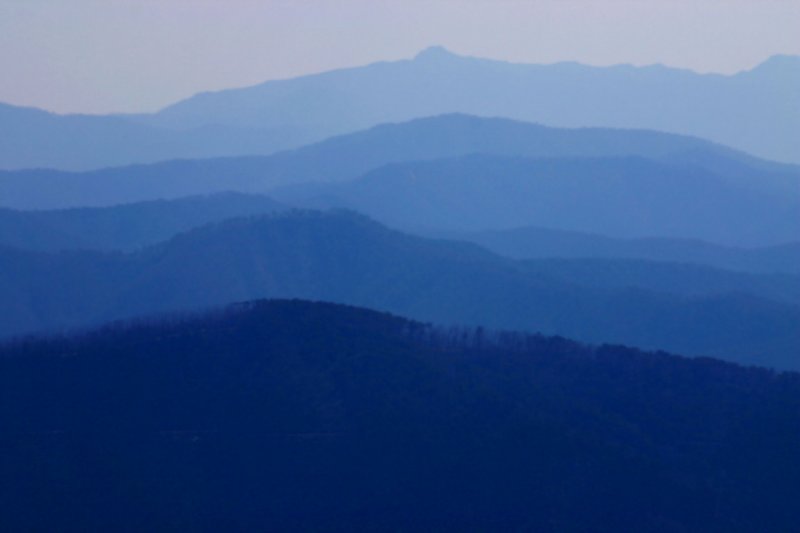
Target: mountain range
x,y
344,257
348,157
622,183
131,226
437,294
755,111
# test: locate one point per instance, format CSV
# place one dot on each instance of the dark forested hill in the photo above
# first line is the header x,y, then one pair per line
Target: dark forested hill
x,y
343,257
290,415
621,197
124,227
350,156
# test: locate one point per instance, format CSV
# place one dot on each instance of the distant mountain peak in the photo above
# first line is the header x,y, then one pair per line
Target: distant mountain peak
x,y
434,53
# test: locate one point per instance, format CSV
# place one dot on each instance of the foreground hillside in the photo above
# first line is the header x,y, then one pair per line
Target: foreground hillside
x,y
289,415
347,258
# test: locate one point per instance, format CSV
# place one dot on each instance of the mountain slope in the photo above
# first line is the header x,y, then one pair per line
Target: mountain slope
x,y
348,157
130,226
307,416
32,138
673,278
123,227
622,197
538,243
346,258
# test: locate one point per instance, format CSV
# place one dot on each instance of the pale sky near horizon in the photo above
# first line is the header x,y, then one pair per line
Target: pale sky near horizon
x,y
98,56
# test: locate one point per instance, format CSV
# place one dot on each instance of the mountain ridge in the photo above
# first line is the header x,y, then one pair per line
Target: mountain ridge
x,y
439,53
533,242
349,156
123,228
619,196
126,226
347,258
754,111
446,66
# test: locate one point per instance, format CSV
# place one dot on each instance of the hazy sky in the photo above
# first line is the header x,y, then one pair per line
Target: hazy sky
x,y
139,55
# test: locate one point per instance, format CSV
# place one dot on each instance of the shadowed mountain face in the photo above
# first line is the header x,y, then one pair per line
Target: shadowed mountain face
x,y
755,111
124,227
623,197
349,259
309,416
348,157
